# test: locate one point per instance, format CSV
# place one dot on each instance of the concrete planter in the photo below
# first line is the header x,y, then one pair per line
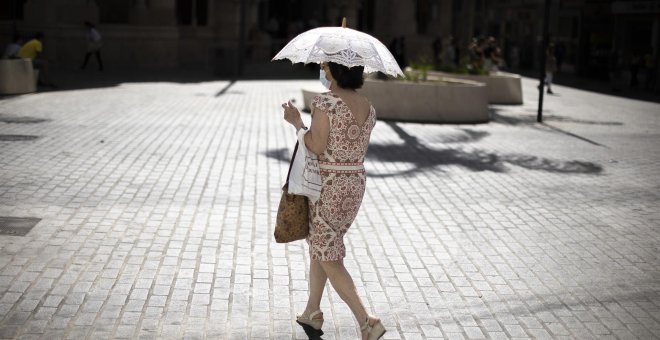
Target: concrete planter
x,y
447,101
309,93
17,76
502,87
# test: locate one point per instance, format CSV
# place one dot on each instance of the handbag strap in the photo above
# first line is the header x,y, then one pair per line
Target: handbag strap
x,y
295,149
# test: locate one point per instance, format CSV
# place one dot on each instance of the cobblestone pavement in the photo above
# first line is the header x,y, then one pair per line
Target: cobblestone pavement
x,y
158,202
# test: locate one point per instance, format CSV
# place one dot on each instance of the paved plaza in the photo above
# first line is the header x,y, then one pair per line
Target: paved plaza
x,y
157,203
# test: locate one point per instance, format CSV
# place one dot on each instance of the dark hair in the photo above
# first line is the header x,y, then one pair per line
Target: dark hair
x,y
347,78
89,24
39,35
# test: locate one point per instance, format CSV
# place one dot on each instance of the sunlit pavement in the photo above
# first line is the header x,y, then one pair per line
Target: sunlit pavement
x,y
157,204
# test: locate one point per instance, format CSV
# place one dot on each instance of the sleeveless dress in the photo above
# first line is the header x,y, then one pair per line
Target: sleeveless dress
x,y
343,178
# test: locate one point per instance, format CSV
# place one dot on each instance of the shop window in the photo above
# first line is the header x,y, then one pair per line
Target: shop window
x,y
192,12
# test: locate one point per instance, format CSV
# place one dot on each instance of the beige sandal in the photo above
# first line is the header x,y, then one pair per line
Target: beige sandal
x,y
310,321
374,331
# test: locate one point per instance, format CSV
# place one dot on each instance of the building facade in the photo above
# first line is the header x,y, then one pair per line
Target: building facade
x,y
228,36
213,35
592,36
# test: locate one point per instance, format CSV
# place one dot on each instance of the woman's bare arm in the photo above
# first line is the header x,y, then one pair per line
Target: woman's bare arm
x,y
316,139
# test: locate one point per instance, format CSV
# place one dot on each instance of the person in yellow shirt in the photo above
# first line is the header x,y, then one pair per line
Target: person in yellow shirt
x,y
34,49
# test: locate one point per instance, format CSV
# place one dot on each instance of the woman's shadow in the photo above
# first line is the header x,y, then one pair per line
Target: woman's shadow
x,y
422,158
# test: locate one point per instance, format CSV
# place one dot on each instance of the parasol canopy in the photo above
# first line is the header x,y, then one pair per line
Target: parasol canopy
x,y
343,46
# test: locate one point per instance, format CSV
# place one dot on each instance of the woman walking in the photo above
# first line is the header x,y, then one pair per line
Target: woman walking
x,y
342,121
94,44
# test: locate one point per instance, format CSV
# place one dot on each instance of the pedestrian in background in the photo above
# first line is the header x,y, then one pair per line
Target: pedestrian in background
x,y
12,49
492,55
476,55
342,121
94,44
34,50
550,66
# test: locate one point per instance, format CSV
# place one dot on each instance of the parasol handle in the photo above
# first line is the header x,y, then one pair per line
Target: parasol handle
x,y
343,22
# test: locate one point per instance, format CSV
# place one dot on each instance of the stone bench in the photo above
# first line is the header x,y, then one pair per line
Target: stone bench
x,y
17,76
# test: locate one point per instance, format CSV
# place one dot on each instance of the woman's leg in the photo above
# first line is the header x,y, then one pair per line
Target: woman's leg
x,y
84,64
98,59
317,280
343,283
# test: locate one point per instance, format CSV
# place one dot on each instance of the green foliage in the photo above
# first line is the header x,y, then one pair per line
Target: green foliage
x,y
411,75
465,67
421,68
418,70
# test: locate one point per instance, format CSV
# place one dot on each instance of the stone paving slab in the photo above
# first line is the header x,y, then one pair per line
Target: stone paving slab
x,y
158,200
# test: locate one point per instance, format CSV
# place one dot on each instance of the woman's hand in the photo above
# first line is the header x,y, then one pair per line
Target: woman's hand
x,y
292,115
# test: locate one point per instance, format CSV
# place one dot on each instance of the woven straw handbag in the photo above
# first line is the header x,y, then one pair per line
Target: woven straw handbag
x,y
292,221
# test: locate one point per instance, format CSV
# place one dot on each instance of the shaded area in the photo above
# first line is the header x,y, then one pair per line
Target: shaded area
x,y
224,89
466,135
578,121
74,79
472,136
532,122
565,301
422,158
68,79
552,165
458,135
9,119
595,85
16,138
17,226
281,154
572,135
433,122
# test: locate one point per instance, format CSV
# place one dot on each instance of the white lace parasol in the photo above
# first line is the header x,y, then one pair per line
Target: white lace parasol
x,y
342,46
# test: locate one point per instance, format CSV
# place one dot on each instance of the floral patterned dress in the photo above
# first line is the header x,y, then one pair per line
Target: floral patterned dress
x,y
343,177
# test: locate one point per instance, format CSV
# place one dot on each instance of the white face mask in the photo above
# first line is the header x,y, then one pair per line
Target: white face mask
x,y
326,83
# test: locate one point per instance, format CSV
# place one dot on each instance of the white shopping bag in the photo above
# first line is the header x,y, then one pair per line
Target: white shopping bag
x,y
305,177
